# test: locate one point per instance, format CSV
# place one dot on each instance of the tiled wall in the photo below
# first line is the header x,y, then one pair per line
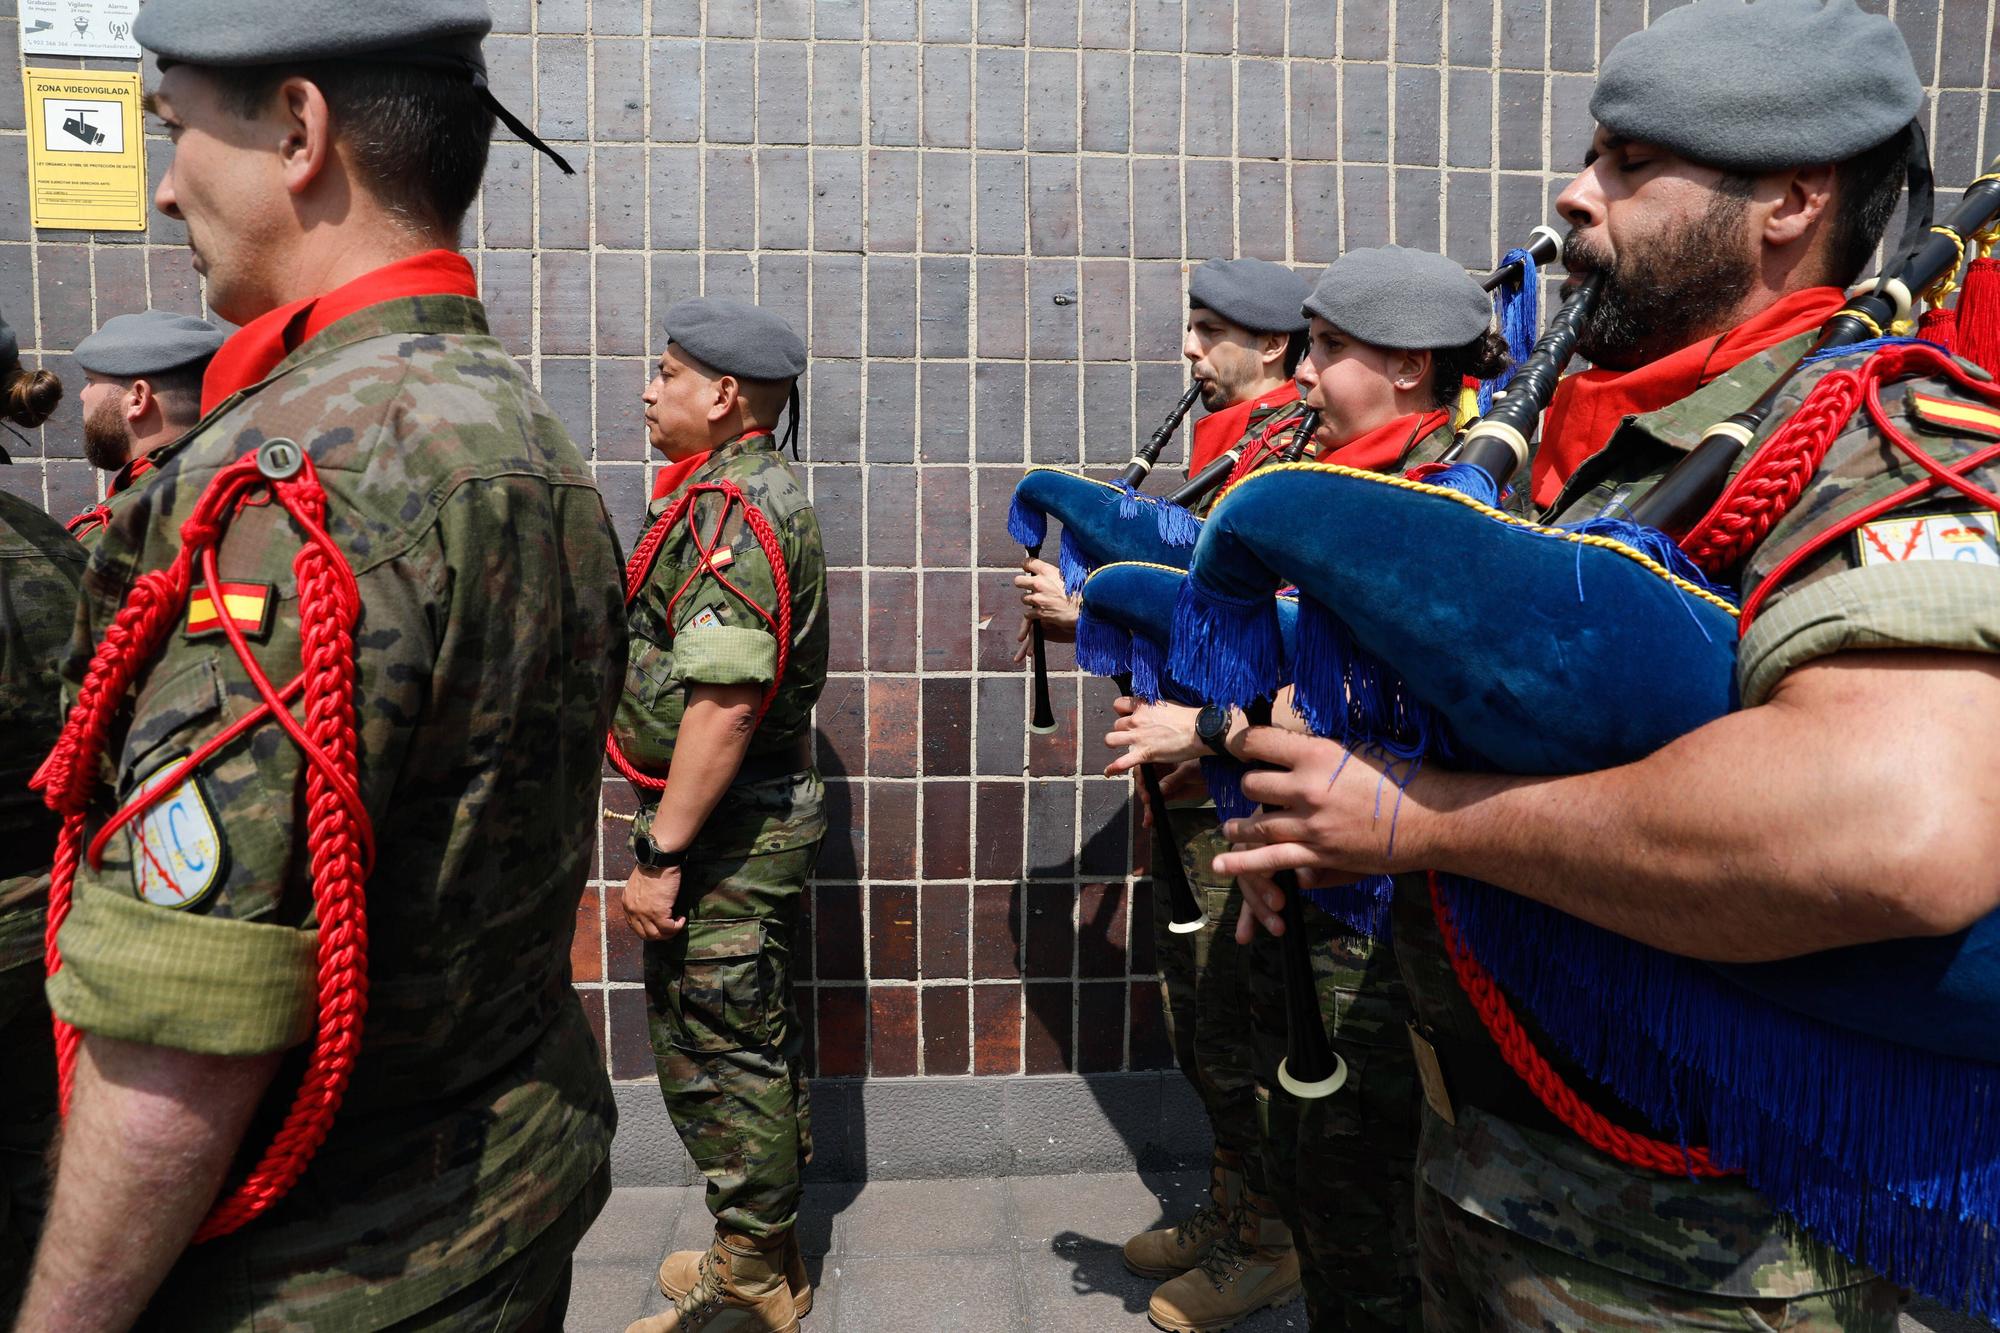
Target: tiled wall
x,y
981,211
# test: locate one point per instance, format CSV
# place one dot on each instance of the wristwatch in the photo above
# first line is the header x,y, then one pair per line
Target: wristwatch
x,y
649,854
1211,728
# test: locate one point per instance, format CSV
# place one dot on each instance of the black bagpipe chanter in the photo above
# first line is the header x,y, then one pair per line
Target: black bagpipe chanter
x,y
1859,1089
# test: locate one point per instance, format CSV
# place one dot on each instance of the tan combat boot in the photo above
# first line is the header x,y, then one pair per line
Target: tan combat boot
x,y
1174,1250
1252,1267
680,1270
739,1288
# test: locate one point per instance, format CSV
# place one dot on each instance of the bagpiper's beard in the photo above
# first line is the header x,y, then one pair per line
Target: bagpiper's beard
x,y
1664,295
105,441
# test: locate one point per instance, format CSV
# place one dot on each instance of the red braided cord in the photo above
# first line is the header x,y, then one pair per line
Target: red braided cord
x,y
640,566
1771,482
1549,1087
339,837
96,515
1266,445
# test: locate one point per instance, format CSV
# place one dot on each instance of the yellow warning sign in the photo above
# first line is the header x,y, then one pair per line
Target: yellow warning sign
x,y
86,151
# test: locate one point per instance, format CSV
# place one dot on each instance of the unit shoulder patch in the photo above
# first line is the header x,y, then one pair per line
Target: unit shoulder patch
x,y
1972,536
177,850
1955,418
248,606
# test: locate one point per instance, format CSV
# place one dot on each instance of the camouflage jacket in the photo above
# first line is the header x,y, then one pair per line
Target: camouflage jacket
x,y
40,568
1937,591
489,647
690,628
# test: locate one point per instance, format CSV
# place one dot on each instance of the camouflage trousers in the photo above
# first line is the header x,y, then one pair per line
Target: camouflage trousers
x,y
1479,1277
1204,976
1347,1184
726,1035
27,1121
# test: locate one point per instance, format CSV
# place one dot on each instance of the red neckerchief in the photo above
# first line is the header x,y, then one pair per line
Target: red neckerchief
x,y
130,473
673,476
1381,449
1588,407
1215,433
255,350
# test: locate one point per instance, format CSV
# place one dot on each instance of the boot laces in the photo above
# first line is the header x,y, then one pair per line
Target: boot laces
x,y
1226,1262
701,1301
1203,1219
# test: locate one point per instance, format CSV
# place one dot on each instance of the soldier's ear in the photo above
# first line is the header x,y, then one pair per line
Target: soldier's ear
x,y
725,395
1272,353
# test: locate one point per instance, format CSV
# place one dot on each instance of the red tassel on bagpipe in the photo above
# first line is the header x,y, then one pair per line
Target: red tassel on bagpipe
x,y
641,565
1979,314
1940,325
339,835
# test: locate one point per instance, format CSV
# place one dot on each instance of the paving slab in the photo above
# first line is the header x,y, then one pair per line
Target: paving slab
x,y
912,1217
604,1298
1100,1210
636,1225
962,1293
1086,1289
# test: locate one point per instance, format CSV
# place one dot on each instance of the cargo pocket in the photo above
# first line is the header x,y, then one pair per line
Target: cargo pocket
x,y
720,1002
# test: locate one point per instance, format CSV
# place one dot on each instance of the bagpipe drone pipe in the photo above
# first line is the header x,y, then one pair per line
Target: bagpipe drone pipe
x,y
1858,1089
1123,632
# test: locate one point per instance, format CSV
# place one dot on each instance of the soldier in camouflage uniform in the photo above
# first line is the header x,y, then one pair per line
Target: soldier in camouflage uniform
x,y
1759,831
469,1153
141,393
717,713
1393,335
1244,333
40,567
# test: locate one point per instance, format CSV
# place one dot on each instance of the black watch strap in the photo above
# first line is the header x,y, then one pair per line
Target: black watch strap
x,y
648,853
1212,729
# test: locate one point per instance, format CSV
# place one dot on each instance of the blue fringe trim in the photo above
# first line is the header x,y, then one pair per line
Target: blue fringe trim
x,y
1073,563
1148,665
1229,653
1225,787
1362,906
1888,1153
1519,313
1102,648
1030,527
1129,501
1466,480
1653,544
1350,696
1178,527
1864,349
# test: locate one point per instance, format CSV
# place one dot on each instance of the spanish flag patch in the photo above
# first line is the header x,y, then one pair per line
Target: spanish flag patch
x,y
1955,418
248,606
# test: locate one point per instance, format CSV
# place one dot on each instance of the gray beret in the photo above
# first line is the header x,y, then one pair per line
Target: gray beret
x,y
1760,87
1254,293
148,343
1407,299
737,338
270,32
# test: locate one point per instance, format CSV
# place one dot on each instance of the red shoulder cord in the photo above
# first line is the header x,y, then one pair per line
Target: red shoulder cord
x,y
1549,1087
1270,441
1759,496
641,565
339,836
1775,477
88,520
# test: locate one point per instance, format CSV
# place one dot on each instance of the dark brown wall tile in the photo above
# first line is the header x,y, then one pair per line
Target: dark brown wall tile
x,y
893,1030
947,1044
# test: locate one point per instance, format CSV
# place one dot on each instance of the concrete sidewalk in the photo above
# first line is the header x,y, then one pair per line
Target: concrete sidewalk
x,y
921,1256
943,1256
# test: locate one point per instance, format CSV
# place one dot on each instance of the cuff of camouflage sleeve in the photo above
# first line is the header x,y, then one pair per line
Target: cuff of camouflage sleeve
x,y
725,655
205,984
1948,606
